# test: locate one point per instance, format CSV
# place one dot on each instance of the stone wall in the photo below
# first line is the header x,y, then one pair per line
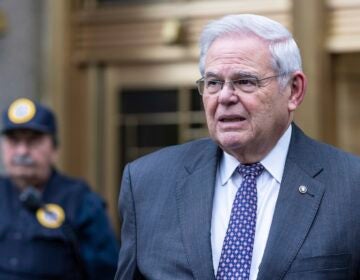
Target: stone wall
x,y
21,50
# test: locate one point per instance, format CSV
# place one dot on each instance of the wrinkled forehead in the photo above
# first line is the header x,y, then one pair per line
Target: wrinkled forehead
x,y
242,39
245,53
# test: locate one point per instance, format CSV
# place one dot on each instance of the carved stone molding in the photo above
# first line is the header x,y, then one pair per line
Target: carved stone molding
x,y
167,31
344,26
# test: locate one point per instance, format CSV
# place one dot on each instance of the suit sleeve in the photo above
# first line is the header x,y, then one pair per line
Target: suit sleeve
x,y
98,244
127,266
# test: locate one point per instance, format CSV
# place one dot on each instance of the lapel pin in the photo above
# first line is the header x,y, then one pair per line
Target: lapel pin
x,y
303,189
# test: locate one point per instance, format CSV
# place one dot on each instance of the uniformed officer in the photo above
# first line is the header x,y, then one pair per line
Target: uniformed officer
x,y
51,226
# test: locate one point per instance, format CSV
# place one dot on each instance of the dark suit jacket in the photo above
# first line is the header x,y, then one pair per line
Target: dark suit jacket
x,y
166,205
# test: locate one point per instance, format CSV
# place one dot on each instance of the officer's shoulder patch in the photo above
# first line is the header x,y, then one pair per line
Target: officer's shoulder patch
x,y
21,111
51,216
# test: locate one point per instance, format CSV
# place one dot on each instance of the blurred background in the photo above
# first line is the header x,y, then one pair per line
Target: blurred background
x,y
120,74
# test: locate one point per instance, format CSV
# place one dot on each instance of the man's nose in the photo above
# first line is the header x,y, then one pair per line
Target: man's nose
x,y
227,94
22,148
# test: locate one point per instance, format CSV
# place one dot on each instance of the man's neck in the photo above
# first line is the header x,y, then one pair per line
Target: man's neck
x,y
22,183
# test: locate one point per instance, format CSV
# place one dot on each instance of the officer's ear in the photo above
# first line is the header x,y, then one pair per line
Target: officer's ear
x,y
55,142
54,157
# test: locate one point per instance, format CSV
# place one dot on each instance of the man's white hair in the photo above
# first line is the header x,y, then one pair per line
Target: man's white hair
x,y
285,54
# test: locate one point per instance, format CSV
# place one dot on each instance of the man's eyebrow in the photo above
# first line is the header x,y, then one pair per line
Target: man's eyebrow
x,y
237,75
242,74
211,75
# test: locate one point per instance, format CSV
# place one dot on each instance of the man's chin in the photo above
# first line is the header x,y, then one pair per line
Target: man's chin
x,y
23,180
231,140
22,171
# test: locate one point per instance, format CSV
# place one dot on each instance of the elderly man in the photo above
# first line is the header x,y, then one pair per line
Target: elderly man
x,y
260,200
51,226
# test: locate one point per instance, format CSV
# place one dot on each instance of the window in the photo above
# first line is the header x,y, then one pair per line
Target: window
x,y
153,118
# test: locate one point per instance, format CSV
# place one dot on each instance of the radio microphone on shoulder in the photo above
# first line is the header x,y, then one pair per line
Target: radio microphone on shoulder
x,y
31,198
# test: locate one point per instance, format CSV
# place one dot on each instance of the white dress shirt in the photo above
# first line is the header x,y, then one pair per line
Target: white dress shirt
x,y
268,184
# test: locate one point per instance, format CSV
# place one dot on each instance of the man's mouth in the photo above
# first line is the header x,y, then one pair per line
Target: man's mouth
x,y
23,160
229,119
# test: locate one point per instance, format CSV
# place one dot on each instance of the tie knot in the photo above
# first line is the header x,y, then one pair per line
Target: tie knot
x,y
253,170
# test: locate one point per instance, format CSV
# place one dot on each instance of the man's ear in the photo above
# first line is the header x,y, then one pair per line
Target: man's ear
x,y
298,84
54,155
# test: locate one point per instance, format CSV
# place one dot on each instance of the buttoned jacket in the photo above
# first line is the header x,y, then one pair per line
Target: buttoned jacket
x,y
166,206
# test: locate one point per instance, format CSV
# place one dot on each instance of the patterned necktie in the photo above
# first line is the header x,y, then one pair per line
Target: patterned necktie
x,y
236,254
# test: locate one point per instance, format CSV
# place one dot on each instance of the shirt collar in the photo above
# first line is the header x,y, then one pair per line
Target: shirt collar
x,y
274,161
228,164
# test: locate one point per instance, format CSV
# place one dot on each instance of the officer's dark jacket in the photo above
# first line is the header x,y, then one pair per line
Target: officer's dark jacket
x,y
84,247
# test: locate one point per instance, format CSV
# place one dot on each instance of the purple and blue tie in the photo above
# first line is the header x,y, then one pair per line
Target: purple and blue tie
x,y
236,253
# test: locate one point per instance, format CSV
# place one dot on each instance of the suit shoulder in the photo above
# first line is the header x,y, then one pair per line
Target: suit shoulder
x,y
332,153
174,154
335,158
312,155
308,148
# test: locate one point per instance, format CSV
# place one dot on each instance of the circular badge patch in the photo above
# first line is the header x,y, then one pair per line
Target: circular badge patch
x,y
50,216
21,110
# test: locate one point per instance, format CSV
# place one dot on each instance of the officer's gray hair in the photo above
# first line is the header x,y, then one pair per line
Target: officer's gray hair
x,y
282,46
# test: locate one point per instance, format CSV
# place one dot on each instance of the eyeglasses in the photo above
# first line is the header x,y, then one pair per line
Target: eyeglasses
x,y
247,84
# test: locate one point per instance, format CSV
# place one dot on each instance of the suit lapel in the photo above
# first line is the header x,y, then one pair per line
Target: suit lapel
x,y
194,193
293,216
294,211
